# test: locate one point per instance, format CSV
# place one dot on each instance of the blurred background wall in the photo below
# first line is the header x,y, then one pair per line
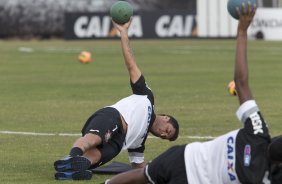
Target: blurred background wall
x,y
45,18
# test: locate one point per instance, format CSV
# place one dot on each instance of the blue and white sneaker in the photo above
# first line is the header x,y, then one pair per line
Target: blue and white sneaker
x,y
74,175
77,163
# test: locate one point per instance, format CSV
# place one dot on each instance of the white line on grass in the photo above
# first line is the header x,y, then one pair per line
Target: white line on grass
x,y
76,135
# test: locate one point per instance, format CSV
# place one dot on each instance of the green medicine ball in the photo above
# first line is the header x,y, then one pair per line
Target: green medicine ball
x,y
121,11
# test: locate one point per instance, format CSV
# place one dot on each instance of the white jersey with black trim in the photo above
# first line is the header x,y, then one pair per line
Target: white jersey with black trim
x,y
136,111
212,162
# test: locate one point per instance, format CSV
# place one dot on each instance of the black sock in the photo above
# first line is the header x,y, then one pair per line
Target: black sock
x,y
76,151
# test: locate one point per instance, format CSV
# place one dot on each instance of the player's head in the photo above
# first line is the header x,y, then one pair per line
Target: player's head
x,y
275,149
175,125
166,127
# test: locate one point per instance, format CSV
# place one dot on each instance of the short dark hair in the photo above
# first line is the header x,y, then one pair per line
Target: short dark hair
x,y
175,125
275,149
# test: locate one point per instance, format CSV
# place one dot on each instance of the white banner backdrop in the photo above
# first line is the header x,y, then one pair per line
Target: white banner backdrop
x,y
267,24
214,21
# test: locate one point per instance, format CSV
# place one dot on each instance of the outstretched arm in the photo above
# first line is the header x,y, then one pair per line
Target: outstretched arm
x,y
140,165
136,176
133,70
241,65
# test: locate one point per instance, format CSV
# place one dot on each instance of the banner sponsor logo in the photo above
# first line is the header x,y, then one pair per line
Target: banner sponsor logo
x,y
143,25
174,26
267,24
101,27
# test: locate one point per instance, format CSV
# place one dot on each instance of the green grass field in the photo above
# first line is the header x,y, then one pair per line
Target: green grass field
x,y
44,89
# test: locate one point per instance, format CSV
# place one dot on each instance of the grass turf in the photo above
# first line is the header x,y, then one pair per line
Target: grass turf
x,y
45,89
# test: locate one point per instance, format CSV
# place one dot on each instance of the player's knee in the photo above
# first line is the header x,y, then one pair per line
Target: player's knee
x,y
88,141
92,140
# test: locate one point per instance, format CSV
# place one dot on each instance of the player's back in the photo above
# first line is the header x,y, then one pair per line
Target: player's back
x,y
213,161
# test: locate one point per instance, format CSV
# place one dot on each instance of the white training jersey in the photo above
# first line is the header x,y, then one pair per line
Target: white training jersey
x,y
136,111
212,162
234,158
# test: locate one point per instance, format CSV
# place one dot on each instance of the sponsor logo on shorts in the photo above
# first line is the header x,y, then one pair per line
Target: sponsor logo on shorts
x,y
115,128
92,130
108,136
231,158
247,155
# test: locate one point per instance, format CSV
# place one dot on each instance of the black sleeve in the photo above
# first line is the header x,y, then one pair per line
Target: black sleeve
x,y
255,125
251,148
140,87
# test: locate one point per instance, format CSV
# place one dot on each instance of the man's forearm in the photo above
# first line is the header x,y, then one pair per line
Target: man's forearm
x,y
127,51
129,59
241,70
141,165
135,176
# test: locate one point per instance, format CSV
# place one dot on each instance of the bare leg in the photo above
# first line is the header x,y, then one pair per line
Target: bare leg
x,y
87,142
83,154
94,155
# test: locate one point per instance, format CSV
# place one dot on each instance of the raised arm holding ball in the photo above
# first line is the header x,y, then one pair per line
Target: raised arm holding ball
x,y
124,125
242,156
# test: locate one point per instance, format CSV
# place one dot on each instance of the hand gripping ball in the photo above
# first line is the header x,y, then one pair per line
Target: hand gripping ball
x,y
121,11
233,4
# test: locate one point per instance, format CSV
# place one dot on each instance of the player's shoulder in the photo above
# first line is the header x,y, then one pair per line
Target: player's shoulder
x,y
246,110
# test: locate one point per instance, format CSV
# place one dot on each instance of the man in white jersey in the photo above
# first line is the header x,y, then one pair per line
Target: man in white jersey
x,y
124,125
240,156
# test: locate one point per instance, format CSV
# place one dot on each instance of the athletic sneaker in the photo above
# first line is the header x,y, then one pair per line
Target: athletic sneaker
x,y
77,163
74,175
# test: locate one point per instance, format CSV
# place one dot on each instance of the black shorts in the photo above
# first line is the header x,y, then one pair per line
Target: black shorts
x,y
168,168
106,123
